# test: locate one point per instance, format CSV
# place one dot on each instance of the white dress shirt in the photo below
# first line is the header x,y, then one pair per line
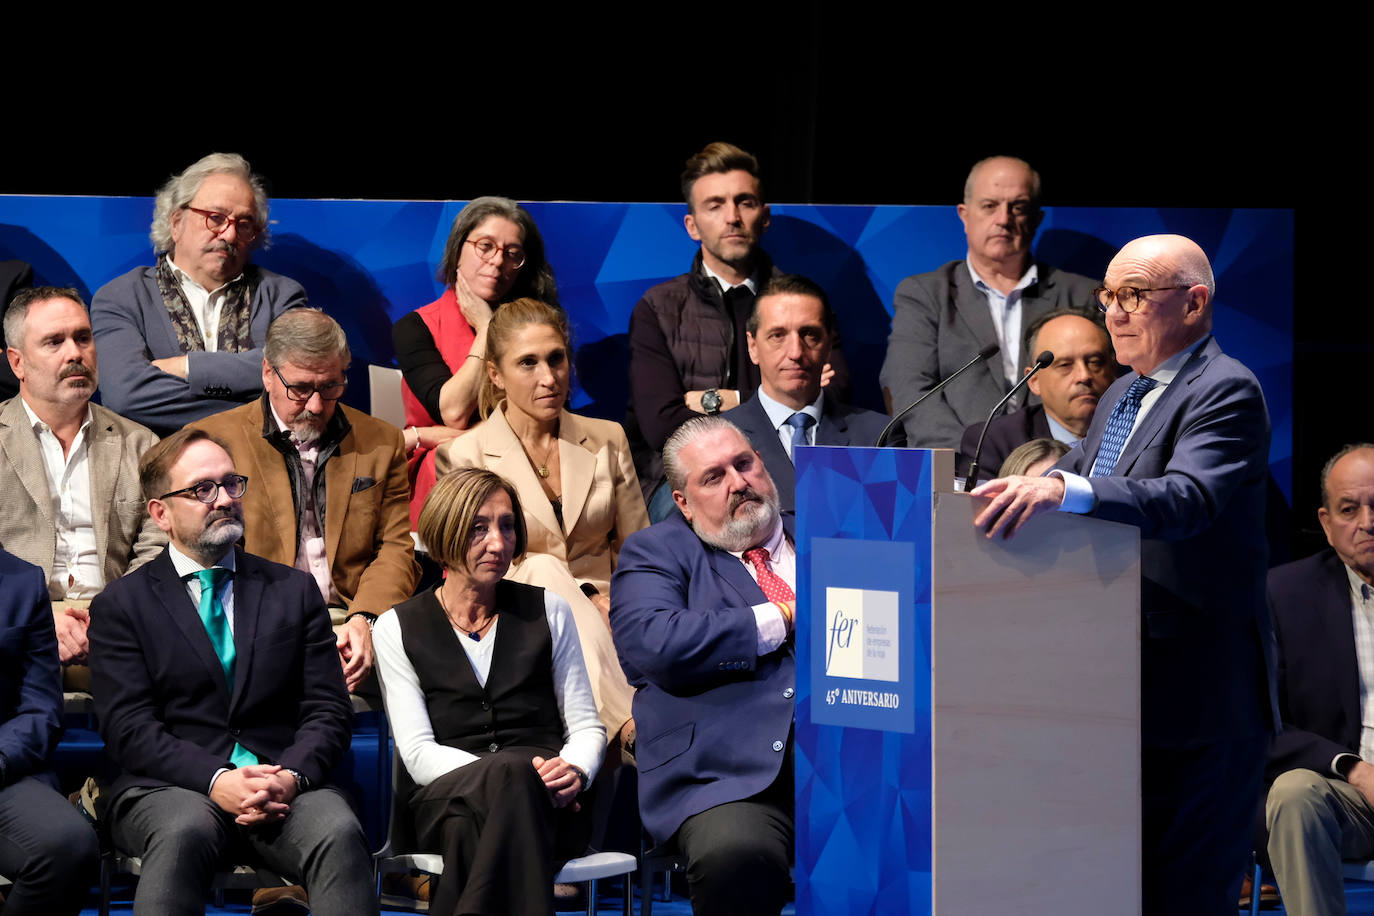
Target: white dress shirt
x,y
76,571
311,555
206,304
782,560
425,758
1005,309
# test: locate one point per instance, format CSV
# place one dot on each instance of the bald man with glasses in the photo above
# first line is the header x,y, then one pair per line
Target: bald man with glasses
x,y
338,473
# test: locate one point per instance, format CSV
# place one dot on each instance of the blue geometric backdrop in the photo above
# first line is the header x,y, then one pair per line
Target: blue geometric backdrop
x,y
369,262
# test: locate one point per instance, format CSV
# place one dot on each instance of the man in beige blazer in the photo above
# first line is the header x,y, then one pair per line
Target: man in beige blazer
x,y
68,468
327,486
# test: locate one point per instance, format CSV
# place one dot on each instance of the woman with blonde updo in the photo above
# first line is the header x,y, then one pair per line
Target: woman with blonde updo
x,y
575,477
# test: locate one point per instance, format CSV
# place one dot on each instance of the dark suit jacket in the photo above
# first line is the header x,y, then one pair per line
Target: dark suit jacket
x,y
14,276
709,710
939,322
841,424
165,710
1192,479
1005,434
1319,678
30,678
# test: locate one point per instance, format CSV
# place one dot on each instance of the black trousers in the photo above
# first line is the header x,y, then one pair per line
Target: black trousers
x,y
499,834
739,855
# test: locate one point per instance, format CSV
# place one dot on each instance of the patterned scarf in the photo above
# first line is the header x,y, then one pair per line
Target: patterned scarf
x,y
235,334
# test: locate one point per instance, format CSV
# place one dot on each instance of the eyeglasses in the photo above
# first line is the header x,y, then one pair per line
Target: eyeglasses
x,y
1128,297
486,250
207,491
303,392
244,228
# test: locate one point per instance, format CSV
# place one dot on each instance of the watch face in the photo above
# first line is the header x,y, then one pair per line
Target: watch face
x,y
710,400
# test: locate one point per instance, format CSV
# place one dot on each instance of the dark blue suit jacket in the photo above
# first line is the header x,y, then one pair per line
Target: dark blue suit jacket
x,y
30,676
1319,678
165,710
713,717
841,424
1005,434
1192,479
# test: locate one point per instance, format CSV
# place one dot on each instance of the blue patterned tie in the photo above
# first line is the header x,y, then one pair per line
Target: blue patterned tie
x,y
217,626
1119,426
800,423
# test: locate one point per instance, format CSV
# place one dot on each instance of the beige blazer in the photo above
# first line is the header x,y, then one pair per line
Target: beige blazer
x,y
602,503
124,535
367,506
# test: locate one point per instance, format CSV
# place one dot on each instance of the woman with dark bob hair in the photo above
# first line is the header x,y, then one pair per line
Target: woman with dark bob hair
x,y
494,254
490,706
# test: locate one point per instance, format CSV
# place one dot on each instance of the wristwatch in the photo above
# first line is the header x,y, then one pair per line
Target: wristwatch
x,y
711,401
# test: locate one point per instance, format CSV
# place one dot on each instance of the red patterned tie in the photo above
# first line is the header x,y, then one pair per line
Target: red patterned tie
x,y
774,588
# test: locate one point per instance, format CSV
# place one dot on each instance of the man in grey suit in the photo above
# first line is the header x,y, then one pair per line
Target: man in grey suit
x,y
789,333
943,318
68,468
189,330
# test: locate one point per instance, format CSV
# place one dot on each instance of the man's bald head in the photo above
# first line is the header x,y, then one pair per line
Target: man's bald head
x,y
1173,309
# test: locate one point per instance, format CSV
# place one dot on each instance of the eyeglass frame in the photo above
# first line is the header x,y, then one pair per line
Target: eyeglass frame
x,y
238,224
1116,297
190,492
293,388
507,257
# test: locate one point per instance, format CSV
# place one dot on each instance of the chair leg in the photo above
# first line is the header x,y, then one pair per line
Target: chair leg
x,y
629,895
646,889
1255,890
591,897
106,866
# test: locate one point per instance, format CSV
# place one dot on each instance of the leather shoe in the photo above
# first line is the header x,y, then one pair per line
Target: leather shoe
x,y
1269,895
281,901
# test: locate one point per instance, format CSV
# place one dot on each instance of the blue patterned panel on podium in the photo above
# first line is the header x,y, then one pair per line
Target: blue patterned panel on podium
x,y
863,749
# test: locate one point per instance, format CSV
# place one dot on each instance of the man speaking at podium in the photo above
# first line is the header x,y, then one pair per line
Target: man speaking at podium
x,y
1181,454
702,612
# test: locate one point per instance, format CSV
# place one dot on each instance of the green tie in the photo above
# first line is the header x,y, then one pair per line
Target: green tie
x,y
217,626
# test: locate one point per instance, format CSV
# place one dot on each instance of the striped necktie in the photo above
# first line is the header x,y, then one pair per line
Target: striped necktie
x,y
1119,426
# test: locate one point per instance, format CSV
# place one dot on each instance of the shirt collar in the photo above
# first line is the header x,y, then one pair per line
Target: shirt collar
x,y
1359,589
1030,276
184,278
185,566
724,286
773,544
1059,432
1166,371
778,413
40,425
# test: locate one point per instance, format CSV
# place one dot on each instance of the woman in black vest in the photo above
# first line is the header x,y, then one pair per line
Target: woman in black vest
x,y
490,706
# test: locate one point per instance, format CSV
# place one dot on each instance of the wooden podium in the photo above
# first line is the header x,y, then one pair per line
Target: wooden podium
x,y
978,750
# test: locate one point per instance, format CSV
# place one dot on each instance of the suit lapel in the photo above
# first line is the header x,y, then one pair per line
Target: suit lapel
x,y
731,570
974,312
506,457
176,603
248,600
834,425
578,467
339,473
267,474
103,451
1161,411
20,446
1033,306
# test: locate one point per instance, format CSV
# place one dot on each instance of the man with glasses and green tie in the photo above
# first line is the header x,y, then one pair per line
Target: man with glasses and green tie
x,y
1180,448
221,702
188,331
330,494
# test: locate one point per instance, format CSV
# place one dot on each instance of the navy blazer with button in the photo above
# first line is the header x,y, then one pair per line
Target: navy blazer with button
x,y
1193,479
1319,676
165,710
30,682
713,716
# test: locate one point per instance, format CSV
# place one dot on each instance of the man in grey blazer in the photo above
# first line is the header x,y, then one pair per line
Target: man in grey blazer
x,y
189,330
943,318
68,468
789,332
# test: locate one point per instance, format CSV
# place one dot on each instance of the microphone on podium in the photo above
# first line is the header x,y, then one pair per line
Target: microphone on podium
x,y
987,352
1041,361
